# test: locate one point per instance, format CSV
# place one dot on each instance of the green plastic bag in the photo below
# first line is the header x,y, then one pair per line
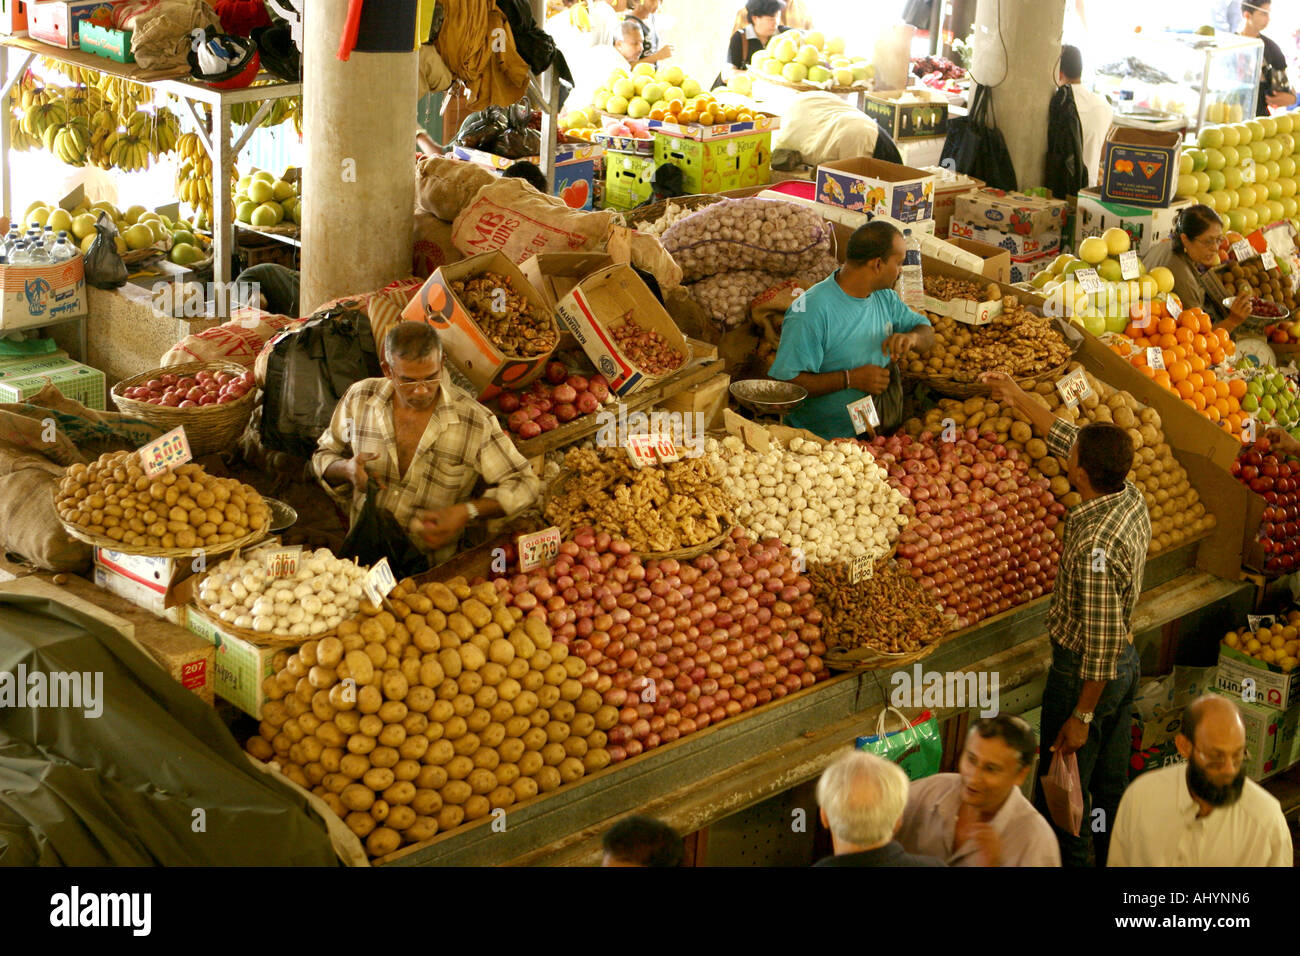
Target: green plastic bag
x,y
917,747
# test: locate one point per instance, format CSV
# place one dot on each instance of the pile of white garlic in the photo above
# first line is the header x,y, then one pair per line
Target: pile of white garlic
x,y
324,592
832,502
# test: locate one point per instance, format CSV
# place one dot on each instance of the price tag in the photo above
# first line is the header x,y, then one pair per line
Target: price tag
x,y
379,581
1248,170
163,454
1243,250
1256,621
1074,388
863,413
1128,264
665,447
1173,305
281,562
862,569
539,549
641,449
1089,281
1268,259
1155,357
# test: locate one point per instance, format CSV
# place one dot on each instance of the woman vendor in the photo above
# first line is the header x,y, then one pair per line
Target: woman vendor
x,y
753,36
1191,250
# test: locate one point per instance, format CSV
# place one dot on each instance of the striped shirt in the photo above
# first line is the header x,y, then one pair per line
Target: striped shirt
x,y
1099,578
461,443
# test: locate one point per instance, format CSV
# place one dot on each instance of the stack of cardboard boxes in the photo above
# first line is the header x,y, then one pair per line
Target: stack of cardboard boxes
x,y
1028,227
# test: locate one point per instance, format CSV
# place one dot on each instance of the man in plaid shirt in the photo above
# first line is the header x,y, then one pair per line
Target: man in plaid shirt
x,y
1088,700
426,443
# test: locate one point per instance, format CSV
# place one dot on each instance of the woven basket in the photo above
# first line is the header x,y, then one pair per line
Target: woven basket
x,y
103,541
644,215
776,80
259,638
870,659
954,389
209,428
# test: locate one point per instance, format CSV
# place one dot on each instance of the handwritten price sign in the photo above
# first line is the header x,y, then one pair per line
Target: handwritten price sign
x,y
1173,305
1256,621
1074,388
379,582
1268,259
862,569
641,449
163,454
1128,264
281,562
539,549
1089,281
864,415
1243,250
1155,357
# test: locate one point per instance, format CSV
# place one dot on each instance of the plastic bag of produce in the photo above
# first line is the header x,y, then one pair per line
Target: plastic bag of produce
x,y
1063,792
917,748
104,267
765,234
480,129
444,187
821,127
726,297
376,534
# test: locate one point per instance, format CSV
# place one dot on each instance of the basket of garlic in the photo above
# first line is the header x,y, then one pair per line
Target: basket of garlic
x,y
248,601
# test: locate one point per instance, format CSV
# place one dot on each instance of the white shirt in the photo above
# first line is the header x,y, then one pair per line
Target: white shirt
x,y
1157,825
1095,114
930,823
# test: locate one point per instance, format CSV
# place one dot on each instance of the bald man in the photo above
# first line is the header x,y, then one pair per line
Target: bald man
x,y
1204,812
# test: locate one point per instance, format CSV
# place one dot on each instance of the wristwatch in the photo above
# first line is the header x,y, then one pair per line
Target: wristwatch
x,y
1083,718
471,511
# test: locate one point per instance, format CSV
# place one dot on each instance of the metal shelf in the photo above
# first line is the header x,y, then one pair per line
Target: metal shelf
x,y
218,143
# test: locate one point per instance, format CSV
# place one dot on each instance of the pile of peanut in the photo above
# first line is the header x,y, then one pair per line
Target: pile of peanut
x,y
889,611
506,316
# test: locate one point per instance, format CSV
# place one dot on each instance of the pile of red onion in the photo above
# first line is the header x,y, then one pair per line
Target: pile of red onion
x,y
981,538
551,401
675,646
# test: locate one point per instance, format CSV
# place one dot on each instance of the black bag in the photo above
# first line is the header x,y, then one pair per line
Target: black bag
x,y
976,147
918,13
481,128
376,534
532,42
104,267
1064,173
309,369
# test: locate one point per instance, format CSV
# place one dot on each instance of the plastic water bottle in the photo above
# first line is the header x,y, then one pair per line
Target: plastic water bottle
x,y
63,250
10,240
913,283
18,256
38,255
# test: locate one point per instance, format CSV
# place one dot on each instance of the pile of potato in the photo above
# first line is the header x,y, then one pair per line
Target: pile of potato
x,y
413,721
1018,342
1177,512
184,508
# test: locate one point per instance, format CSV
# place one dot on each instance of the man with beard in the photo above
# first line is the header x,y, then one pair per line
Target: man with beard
x,y
1204,812
425,443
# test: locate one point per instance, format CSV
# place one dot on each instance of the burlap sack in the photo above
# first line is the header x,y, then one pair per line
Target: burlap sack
x,y
161,40
648,253
239,340
432,246
443,187
30,527
513,217
66,432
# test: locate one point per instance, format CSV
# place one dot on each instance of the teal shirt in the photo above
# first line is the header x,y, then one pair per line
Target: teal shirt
x,y
828,330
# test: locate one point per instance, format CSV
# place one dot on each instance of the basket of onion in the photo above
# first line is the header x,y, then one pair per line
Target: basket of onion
x,y
212,400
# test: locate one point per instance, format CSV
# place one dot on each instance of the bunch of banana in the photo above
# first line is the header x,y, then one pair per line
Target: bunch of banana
x,y
43,116
69,142
78,74
164,131
83,100
129,153
19,139
103,133
282,110
194,177
125,96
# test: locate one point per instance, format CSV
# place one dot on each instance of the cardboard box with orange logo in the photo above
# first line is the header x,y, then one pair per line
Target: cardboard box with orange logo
x,y
1139,166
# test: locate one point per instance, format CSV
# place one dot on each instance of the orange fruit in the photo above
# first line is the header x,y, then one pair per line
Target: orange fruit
x,y
1222,405
1209,376
687,116
1188,320
1166,340
1233,404
730,113
1184,334
1196,362
1236,387
676,106
1146,370
1184,389
657,113
1218,356
1221,389
744,116
1198,401
1162,379
1197,381
706,118
1206,325
1212,413
1166,326
1178,370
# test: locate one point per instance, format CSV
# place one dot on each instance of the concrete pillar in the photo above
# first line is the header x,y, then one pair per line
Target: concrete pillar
x,y
359,175
1024,58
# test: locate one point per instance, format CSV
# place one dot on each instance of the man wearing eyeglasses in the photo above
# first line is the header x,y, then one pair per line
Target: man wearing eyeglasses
x,y
1205,812
426,444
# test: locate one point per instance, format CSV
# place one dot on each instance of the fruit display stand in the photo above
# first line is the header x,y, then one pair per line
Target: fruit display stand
x,y
17,53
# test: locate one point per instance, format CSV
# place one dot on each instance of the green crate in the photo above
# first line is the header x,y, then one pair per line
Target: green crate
x,y
19,381
106,42
629,179
717,165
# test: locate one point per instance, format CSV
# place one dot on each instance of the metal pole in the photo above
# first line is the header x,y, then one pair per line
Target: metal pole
x,y
936,24
550,86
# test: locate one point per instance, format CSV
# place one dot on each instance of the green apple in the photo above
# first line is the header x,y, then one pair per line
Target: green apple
x,y
690,87
795,72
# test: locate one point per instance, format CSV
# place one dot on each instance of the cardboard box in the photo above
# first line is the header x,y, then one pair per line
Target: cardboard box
x,y
629,179
38,295
1010,212
157,584
487,367
105,42
878,188
137,591
1240,674
1019,247
761,123
1022,270
921,153
575,169
994,263
1154,757
1139,166
185,656
57,22
708,398
908,114
716,164
238,667
13,18
947,187
849,218
1145,226
82,383
600,301
1270,737
554,274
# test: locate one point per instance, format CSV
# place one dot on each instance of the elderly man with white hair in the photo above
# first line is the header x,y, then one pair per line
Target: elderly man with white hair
x,y
862,799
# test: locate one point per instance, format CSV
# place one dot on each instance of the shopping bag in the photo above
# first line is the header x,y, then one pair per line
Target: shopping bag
x,y
976,147
1063,793
376,534
917,748
103,266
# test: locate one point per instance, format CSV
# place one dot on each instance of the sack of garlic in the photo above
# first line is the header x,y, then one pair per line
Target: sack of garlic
x,y
324,592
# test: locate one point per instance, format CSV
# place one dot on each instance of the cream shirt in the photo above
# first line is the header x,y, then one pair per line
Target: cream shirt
x,y
1095,115
930,822
1157,825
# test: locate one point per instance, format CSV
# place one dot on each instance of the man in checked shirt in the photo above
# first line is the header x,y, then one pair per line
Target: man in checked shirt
x,y
1090,688
426,443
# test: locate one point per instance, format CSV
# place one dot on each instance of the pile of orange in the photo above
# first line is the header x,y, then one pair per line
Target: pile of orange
x,y
1189,346
703,109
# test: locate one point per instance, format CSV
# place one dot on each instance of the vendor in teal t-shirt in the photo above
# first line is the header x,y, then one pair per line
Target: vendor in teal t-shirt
x,y
844,337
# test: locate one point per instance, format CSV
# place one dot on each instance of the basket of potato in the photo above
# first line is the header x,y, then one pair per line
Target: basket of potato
x,y
432,713
112,503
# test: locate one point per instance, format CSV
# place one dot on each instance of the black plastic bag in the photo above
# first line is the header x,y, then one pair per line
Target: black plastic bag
x,y
376,534
481,128
104,267
309,369
976,147
1064,172
533,43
